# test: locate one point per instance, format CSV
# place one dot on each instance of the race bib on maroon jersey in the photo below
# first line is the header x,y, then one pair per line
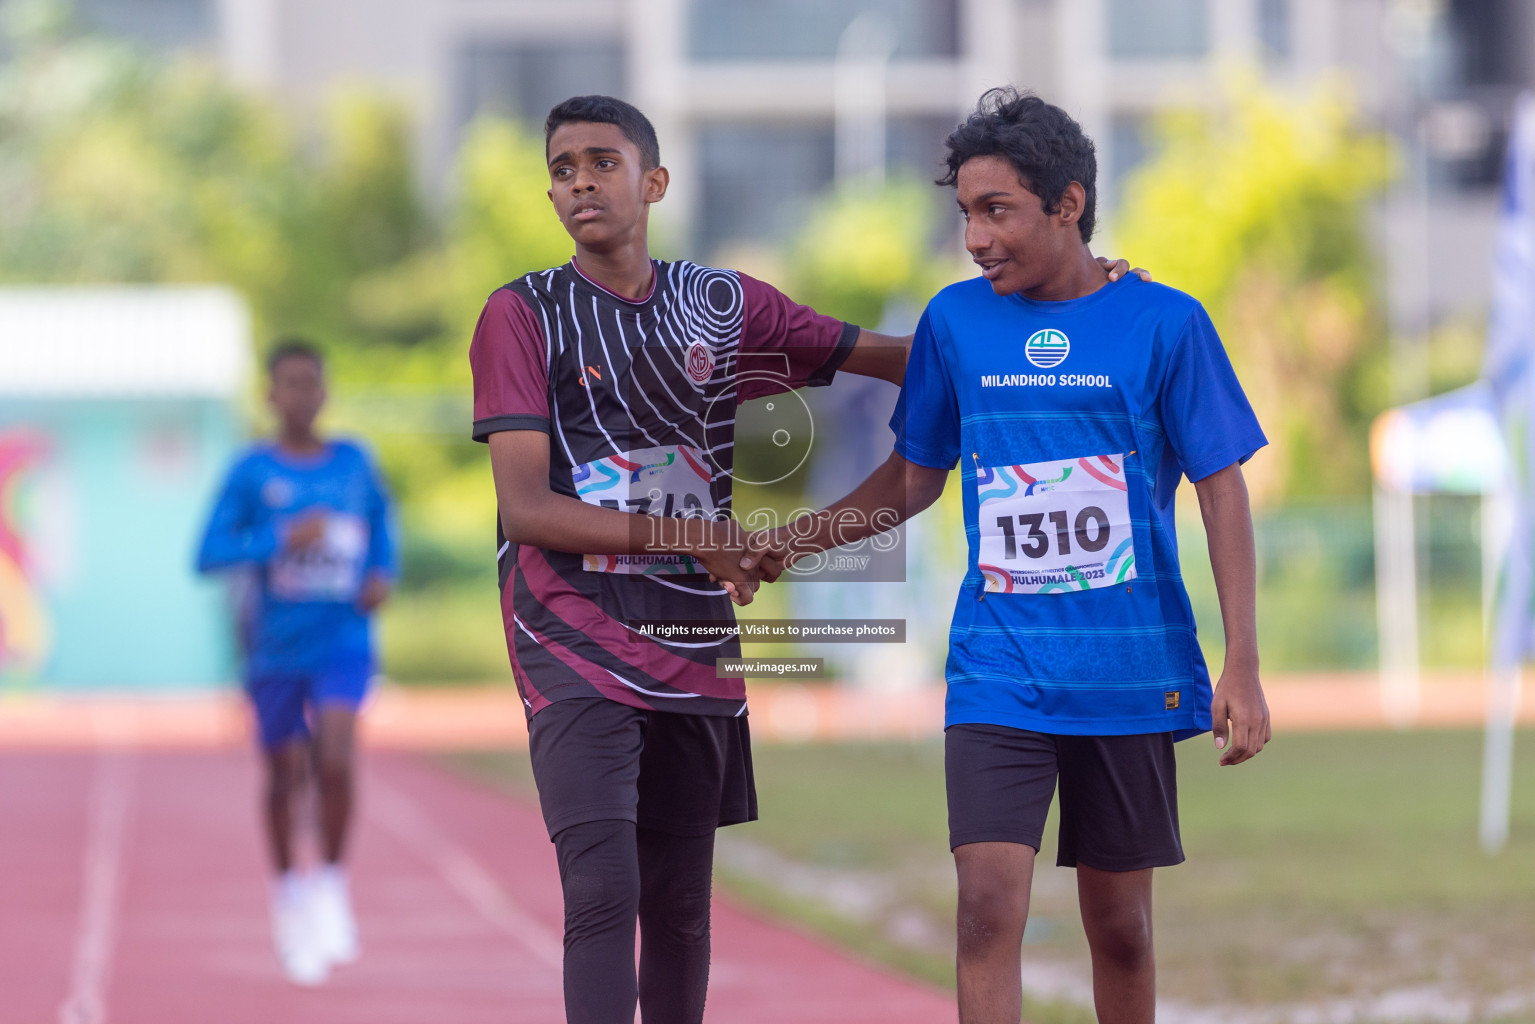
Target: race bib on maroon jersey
x,y
671,480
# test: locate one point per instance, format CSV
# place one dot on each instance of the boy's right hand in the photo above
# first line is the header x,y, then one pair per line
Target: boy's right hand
x,y
305,531
722,553
740,562
767,554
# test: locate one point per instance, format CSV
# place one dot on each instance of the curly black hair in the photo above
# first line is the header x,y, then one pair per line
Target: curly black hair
x,y
1048,148
607,110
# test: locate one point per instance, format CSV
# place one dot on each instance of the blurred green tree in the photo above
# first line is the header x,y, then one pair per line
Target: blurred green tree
x,y
503,224
118,167
1258,209
500,225
864,247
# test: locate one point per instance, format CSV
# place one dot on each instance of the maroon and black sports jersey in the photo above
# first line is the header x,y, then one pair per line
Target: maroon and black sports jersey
x,y
639,400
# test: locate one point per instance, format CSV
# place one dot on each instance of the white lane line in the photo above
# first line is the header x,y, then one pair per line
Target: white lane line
x,y
107,828
404,819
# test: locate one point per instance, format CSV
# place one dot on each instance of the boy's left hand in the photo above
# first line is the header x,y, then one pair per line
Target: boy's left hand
x,y
1239,716
740,593
375,591
1117,269
767,554
764,557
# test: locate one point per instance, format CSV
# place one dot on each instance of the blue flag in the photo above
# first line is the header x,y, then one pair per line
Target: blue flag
x,y
1509,368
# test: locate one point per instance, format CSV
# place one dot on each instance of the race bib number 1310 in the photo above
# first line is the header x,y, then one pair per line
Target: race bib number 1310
x,y
1055,527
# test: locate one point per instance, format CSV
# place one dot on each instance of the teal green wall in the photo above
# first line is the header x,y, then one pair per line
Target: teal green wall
x,y
112,515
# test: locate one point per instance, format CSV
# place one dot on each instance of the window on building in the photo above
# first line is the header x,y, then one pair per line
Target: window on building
x,y
759,180
1159,29
1274,29
810,29
168,24
1130,146
1489,41
524,80
1489,61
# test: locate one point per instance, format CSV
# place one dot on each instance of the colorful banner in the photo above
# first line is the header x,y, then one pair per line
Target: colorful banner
x,y
25,629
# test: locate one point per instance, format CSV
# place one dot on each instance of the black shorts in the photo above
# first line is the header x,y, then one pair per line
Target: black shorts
x,y
595,759
1119,794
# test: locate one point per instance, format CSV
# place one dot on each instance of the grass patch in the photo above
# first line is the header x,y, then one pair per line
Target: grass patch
x,y
444,634
1332,865
1340,864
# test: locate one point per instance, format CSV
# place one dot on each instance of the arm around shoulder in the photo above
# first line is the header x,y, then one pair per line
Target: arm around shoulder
x,y
879,355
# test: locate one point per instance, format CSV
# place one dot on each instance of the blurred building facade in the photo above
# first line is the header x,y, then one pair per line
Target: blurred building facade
x,y
762,103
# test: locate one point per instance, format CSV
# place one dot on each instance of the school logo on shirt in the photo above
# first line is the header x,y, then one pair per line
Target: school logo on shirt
x,y
1047,349
277,493
700,362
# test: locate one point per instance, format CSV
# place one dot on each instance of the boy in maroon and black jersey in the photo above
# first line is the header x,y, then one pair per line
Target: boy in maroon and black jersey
x,y
635,400
607,390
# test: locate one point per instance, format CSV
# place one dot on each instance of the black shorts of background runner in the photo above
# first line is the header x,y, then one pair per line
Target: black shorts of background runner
x,y
595,759
1119,794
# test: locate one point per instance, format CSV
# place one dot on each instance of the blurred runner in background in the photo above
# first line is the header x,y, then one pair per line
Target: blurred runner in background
x,y
307,519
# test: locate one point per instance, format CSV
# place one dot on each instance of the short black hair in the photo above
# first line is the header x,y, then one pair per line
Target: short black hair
x,y
293,348
1042,142
607,110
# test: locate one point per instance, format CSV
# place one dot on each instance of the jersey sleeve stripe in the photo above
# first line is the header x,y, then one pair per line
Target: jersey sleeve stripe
x,y
516,421
828,370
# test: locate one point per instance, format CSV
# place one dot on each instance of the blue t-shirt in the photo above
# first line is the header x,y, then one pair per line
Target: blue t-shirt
x,y
302,616
1073,423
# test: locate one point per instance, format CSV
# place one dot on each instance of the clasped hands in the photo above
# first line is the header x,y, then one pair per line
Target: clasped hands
x,y
740,561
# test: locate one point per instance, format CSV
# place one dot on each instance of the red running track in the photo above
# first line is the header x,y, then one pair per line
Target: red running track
x,y
132,891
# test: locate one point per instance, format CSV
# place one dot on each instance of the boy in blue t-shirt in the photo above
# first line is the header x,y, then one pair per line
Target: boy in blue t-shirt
x,y
1073,406
309,519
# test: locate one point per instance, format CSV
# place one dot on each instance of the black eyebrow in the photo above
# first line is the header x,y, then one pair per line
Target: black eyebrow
x,y
589,151
978,200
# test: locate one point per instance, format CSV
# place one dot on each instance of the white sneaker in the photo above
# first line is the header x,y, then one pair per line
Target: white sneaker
x,y
335,925
294,935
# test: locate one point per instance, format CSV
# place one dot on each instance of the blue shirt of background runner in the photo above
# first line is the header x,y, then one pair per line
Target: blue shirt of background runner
x,y
1145,373
303,616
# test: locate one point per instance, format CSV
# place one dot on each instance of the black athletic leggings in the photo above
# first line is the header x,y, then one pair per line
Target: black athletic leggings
x,y
613,872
